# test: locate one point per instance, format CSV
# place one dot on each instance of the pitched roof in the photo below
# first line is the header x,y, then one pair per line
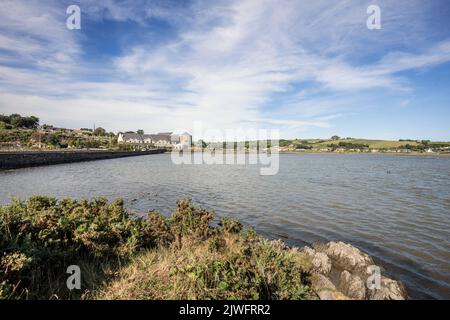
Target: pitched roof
x,y
132,136
159,137
165,136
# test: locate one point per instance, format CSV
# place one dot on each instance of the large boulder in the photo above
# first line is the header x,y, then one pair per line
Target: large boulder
x,y
325,289
389,290
347,257
319,260
342,271
352,286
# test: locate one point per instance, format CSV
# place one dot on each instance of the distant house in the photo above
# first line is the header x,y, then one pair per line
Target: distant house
x,y
162,139
146,139
131,138
184,141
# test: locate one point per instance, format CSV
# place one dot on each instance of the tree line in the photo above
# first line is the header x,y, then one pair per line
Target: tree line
x,y
16,121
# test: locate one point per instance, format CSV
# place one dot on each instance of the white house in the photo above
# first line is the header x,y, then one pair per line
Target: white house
x,y
130,138
183,141
162,139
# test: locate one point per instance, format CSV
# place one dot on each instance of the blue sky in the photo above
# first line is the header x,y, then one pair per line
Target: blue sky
x,y
307,68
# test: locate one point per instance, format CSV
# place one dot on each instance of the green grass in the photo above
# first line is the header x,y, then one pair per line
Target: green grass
x,y
373,144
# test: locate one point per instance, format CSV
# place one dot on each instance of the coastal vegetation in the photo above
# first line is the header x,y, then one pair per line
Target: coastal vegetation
x,y
127,256
19,132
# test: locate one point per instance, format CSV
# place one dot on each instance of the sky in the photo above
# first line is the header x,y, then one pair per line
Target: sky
x,y
310,69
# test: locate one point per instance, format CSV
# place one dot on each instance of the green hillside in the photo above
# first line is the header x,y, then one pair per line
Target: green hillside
x,y
373,144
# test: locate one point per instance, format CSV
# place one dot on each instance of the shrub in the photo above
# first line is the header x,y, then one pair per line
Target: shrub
x,y
189,221
49,235
230,225
225,262
123,256
303,146
158,229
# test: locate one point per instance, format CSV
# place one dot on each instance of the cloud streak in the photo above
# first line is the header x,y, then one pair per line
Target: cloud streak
x,y
228,64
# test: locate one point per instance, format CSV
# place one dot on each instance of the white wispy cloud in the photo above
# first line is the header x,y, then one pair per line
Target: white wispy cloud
x,y
227,64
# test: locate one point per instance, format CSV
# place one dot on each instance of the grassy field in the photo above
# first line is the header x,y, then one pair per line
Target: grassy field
x,y
373,144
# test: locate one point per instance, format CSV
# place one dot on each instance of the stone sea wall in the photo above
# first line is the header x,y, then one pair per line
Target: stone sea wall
x,y
15,160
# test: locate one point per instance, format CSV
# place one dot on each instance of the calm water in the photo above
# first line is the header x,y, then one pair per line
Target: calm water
x,y
395,208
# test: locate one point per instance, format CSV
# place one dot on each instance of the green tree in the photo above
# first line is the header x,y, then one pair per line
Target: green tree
x,y
303,146
140,131
15,120
285,143
31,122
4,118
100,132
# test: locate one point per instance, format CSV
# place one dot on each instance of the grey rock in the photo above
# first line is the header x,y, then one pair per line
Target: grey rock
x,y
340,271
319,260
325,289
352,286
389,290
347,257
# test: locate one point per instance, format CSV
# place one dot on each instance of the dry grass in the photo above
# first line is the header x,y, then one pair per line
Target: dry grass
x,y
242,268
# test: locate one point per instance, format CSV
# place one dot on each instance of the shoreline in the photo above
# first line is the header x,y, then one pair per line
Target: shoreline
x,y
184,256
415,154
418,154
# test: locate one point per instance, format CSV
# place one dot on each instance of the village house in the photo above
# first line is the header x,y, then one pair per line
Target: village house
x,y
162,139
131,138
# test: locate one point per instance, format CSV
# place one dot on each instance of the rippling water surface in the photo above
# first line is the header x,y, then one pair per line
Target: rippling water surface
x,y
395,208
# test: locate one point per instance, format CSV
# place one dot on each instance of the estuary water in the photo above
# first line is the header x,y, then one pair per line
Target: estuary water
x,y
396,208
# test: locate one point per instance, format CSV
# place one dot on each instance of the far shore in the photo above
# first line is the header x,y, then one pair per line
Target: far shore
x,y
421,154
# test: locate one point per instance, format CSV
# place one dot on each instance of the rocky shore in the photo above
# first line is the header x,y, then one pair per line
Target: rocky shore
x,y
341,271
